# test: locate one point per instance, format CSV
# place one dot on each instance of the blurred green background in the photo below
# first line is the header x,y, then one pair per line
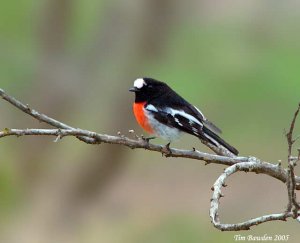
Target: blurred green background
x,y
238,61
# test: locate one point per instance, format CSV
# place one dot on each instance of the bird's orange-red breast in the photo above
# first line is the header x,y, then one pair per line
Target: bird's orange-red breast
x,y
139,113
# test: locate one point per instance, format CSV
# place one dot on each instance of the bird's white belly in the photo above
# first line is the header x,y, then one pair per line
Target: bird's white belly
x,y
163,131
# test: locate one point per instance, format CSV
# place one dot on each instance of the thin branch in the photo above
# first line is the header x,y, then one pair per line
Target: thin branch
x,y
217,194
293,205
262,167
39,116
223,157
289,135
131,143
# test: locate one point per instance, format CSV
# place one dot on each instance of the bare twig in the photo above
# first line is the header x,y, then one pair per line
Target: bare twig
x,y
262,167
223,157
289,135
132,143
39,116
217,194
293,205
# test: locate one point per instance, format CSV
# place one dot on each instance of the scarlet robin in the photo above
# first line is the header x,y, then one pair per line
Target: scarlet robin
x,y
162,112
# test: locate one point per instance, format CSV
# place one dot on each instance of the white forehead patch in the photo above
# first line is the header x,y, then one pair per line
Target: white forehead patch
x,y
139,83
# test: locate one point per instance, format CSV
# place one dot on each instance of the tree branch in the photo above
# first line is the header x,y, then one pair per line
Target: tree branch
x,y
293,205
39,116
223,157
217,194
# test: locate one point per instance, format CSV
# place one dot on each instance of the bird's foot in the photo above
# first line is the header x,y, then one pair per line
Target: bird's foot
x,y
147,139
166,150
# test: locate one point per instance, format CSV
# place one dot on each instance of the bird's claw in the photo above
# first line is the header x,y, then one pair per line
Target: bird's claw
x,y
147,139
166,150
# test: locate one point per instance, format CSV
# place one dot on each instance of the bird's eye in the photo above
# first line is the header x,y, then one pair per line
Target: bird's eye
x,y
150,86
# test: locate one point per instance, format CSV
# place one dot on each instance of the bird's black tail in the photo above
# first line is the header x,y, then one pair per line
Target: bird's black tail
x,y
214,138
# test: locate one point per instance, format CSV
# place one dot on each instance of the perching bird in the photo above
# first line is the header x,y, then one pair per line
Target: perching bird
x,y
162,112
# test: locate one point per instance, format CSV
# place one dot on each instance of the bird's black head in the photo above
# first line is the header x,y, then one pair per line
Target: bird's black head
x,y
146,89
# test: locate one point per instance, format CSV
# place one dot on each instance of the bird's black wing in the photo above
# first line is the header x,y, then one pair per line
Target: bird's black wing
x,y
197,113
174,111
188,123
176,119
174,100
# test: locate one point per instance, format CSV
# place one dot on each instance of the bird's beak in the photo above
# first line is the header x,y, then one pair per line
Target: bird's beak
x,y
133,89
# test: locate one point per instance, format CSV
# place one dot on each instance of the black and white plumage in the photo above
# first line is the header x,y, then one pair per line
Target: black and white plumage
x,y
166,114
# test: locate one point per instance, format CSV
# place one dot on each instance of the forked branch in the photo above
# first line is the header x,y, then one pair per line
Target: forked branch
x,y
222,157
